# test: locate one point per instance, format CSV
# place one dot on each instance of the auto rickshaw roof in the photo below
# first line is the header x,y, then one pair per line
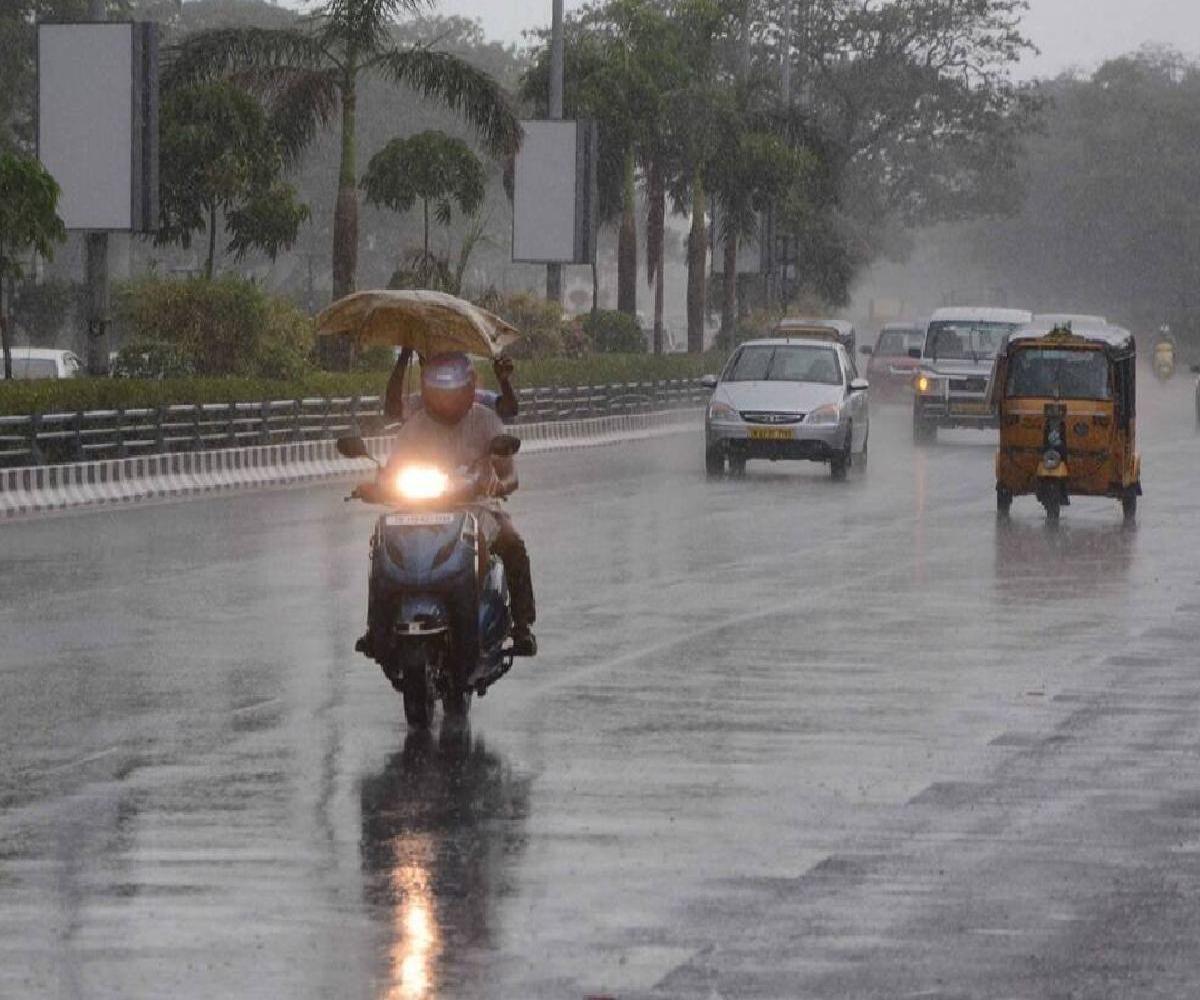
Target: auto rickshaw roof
x,y
1115,340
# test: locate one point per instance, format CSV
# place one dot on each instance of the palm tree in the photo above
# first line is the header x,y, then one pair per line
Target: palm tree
x,y
311,72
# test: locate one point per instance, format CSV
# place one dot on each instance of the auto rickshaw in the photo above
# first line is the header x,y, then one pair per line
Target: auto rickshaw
x,y
1066,404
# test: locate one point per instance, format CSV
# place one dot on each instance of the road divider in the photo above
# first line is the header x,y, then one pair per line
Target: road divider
x,y
42,489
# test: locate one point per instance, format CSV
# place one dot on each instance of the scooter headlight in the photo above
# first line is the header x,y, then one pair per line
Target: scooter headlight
x,y
1052,460
421,482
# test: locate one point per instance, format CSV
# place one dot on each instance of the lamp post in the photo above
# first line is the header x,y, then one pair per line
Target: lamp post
x,y
96,244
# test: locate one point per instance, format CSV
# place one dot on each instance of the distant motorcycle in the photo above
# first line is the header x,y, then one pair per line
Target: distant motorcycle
x,y
438,613
1164,360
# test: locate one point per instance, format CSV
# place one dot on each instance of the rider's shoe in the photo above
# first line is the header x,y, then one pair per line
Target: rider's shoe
x,y
524,642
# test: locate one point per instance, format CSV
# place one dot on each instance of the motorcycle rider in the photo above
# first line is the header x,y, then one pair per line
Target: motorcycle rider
x,y
459,431
503,402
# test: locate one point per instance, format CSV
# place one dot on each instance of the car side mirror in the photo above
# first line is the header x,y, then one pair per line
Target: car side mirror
x,y
352,447
866,349
859,385
914,352
504,446
708,381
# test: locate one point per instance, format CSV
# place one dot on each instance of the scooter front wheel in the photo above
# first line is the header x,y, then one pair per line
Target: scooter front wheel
x,y
457,703
419,696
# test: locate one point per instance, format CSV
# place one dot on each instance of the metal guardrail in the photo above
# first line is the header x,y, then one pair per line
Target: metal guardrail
x,y
91,435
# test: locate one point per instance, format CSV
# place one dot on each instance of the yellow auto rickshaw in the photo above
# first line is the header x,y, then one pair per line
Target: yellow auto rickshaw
x,y
1066,404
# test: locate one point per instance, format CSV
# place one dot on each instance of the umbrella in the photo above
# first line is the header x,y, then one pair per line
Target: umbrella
x,y
428,322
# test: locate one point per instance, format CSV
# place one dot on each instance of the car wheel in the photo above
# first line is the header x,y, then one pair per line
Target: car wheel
x,y
862,455
714,461
841,461
737,465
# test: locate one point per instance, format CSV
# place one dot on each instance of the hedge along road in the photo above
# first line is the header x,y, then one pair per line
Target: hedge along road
x,y
786,737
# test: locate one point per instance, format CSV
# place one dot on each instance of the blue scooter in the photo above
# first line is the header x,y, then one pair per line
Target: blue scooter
x,y
438,616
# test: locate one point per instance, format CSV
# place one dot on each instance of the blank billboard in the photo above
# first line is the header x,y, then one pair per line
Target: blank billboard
x,y
554,193
97,122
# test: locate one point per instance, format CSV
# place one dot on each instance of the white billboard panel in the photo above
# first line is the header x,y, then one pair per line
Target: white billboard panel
x,y
86,121
545,193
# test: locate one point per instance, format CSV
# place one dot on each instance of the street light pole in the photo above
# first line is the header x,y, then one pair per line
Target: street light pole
x,y
97,271
554,272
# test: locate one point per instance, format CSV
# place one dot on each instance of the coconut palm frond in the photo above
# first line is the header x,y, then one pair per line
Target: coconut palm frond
x,y
461,87
208,55
366,24
302,102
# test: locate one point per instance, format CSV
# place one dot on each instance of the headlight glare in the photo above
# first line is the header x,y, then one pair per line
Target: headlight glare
x,y
421,482
830,413
923,383
722,411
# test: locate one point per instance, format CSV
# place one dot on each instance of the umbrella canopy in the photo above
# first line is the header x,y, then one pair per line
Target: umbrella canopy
x,y
428,322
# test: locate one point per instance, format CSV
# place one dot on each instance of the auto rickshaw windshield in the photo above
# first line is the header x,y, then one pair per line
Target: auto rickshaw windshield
x,y
1059,374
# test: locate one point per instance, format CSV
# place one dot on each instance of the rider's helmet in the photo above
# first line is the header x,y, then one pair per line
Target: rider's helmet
x,y
448,386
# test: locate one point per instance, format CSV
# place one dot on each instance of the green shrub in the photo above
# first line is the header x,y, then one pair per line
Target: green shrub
x,y
228,326
151,359
540,322
68,395
614,332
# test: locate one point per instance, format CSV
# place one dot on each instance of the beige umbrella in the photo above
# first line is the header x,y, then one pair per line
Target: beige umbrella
x,y
428,322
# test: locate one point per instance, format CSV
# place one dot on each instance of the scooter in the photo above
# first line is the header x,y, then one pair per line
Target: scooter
x,y
438,616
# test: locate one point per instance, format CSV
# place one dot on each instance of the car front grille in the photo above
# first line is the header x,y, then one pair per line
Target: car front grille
x,y
975,385
771,417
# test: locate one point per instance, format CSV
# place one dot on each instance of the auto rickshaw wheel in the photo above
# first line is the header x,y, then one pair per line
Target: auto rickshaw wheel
x,y
1052,501
1004,499
1129,505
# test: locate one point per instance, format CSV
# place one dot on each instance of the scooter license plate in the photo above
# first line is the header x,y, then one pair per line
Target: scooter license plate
x,y
418,520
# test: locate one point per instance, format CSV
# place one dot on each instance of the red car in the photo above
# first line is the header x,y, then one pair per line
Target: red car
x,y
892,366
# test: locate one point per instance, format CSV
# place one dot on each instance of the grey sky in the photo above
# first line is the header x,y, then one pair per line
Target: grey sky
x,y
1069,32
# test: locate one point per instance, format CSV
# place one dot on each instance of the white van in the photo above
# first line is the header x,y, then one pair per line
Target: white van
x,y
42,362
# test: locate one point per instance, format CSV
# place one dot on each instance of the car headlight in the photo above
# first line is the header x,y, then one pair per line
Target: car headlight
x,y
924,383
830,413
722,411
421,482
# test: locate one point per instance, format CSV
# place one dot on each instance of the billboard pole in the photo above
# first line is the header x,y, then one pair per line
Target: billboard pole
x,y
97,270
554,272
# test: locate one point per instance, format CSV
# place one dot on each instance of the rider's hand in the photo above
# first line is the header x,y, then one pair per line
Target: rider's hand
x,y
503,367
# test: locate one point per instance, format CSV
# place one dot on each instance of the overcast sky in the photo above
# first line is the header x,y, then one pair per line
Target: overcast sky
x,y
1070,33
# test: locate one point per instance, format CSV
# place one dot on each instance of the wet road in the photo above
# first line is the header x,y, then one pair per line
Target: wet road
x,y
786,738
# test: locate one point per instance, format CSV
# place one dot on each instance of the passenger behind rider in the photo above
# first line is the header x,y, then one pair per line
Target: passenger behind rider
x,y
453,428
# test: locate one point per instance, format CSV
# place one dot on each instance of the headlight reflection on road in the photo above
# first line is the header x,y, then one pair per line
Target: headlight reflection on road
x,y
416,945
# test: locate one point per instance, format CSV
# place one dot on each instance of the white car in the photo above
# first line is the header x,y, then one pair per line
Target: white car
x,y
787,398
42,362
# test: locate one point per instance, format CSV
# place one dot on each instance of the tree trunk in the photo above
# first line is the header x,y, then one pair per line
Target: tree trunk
x,y
627,255
5,346
729,311
697,257
345,213
655,236
211,262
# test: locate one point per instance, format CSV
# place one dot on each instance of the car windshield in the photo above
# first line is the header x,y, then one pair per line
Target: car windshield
x,y
799,363
896,343
965,340
1059,374
33,368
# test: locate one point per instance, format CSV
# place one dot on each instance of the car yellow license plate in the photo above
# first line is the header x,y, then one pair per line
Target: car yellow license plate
x,y
771,433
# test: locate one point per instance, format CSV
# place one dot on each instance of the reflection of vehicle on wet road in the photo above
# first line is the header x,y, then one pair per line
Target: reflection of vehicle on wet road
x,y
892,364
1065,400
441,825
787,399
956,366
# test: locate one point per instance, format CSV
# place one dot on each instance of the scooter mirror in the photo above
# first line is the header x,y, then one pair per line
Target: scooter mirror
x,y
505,445
352,447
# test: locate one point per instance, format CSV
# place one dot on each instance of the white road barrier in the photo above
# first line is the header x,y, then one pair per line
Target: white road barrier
x,y
45,488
